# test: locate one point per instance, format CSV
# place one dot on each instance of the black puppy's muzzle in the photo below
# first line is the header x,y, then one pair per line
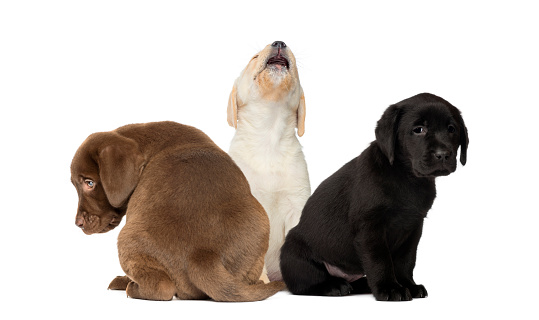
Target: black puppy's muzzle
x,y
440,162
436,162
442,155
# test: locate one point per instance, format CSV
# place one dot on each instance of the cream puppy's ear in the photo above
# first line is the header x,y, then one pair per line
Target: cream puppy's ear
x,y
301,115
232,109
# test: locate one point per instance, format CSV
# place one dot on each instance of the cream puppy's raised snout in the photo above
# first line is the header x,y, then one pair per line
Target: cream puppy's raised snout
x,y
270,78
266,106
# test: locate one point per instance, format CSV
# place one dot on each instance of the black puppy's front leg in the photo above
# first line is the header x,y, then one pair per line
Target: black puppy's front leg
x,y
372,247
404,263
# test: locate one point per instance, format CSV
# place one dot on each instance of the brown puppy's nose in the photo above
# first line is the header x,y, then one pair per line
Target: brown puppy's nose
x,y
79,221
442,155
279,44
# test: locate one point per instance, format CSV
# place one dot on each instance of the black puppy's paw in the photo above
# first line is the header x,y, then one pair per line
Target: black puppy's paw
x,y
418,291
335,287
361,286
393,294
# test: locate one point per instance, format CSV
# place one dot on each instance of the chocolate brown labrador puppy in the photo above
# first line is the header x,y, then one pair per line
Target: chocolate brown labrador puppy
x,y
193,228
367,218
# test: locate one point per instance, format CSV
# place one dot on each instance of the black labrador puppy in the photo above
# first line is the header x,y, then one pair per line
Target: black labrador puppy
x,y
367,218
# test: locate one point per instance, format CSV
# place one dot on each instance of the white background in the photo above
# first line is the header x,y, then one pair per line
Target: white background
x,y
71,68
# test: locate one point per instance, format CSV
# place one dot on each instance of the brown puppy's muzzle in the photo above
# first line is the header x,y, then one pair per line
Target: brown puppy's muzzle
x,y
88,223
79,221
91,223
113,223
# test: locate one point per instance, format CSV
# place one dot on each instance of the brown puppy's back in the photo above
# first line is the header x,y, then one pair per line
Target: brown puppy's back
x,y
193,228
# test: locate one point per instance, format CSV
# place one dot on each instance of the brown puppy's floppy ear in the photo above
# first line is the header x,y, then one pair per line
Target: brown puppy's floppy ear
x,y
386,131
301,114
120,164
232,109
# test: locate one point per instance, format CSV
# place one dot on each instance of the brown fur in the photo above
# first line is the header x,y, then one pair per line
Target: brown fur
x,y
193,228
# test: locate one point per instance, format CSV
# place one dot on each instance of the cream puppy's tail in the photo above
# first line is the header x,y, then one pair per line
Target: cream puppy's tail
x,y
208,274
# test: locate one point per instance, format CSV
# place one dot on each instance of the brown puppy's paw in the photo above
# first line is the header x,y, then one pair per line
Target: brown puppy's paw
x,y
132,291
392,294
119,283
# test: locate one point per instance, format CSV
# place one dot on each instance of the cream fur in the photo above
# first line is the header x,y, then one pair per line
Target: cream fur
x,y
265,106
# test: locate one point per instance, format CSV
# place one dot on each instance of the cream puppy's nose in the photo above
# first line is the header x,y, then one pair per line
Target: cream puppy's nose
x,y
279,44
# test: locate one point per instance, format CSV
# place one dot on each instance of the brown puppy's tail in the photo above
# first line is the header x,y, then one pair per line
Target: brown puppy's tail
x,y
207,272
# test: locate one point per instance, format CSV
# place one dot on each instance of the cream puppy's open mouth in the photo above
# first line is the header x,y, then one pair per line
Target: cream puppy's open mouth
x,y
278,61
275,59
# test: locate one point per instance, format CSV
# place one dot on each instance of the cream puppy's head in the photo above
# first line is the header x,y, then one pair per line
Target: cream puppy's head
x,y
271,77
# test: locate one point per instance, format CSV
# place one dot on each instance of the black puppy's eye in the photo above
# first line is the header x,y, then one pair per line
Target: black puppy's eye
x,y
89,183
451,129
420,130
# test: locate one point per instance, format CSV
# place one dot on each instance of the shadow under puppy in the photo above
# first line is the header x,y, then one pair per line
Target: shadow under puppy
x,y
265,106
367,218
193,229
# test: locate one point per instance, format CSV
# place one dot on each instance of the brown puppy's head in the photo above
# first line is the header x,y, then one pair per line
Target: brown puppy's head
x,y
424,133
105,170
270,76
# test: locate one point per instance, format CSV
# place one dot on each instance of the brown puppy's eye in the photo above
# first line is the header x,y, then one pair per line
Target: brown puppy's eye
x,y
254,57
89,183
451,129
420,130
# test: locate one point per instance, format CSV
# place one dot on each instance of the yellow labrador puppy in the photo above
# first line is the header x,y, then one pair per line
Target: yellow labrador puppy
x,y
266,105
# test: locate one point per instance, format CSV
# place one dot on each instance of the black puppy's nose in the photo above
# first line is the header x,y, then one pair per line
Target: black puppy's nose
x,y
279,44
442,155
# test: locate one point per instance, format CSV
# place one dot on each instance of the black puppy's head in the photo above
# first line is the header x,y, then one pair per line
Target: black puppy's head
x,y
423,132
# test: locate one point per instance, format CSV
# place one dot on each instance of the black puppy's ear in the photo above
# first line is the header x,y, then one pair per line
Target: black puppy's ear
x,y
386,131
463,139
120,164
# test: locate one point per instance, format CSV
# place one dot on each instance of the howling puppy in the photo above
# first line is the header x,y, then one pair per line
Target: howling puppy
x,y
265,106
193,229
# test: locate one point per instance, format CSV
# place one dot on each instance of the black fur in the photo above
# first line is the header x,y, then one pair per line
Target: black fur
x,y
367,218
